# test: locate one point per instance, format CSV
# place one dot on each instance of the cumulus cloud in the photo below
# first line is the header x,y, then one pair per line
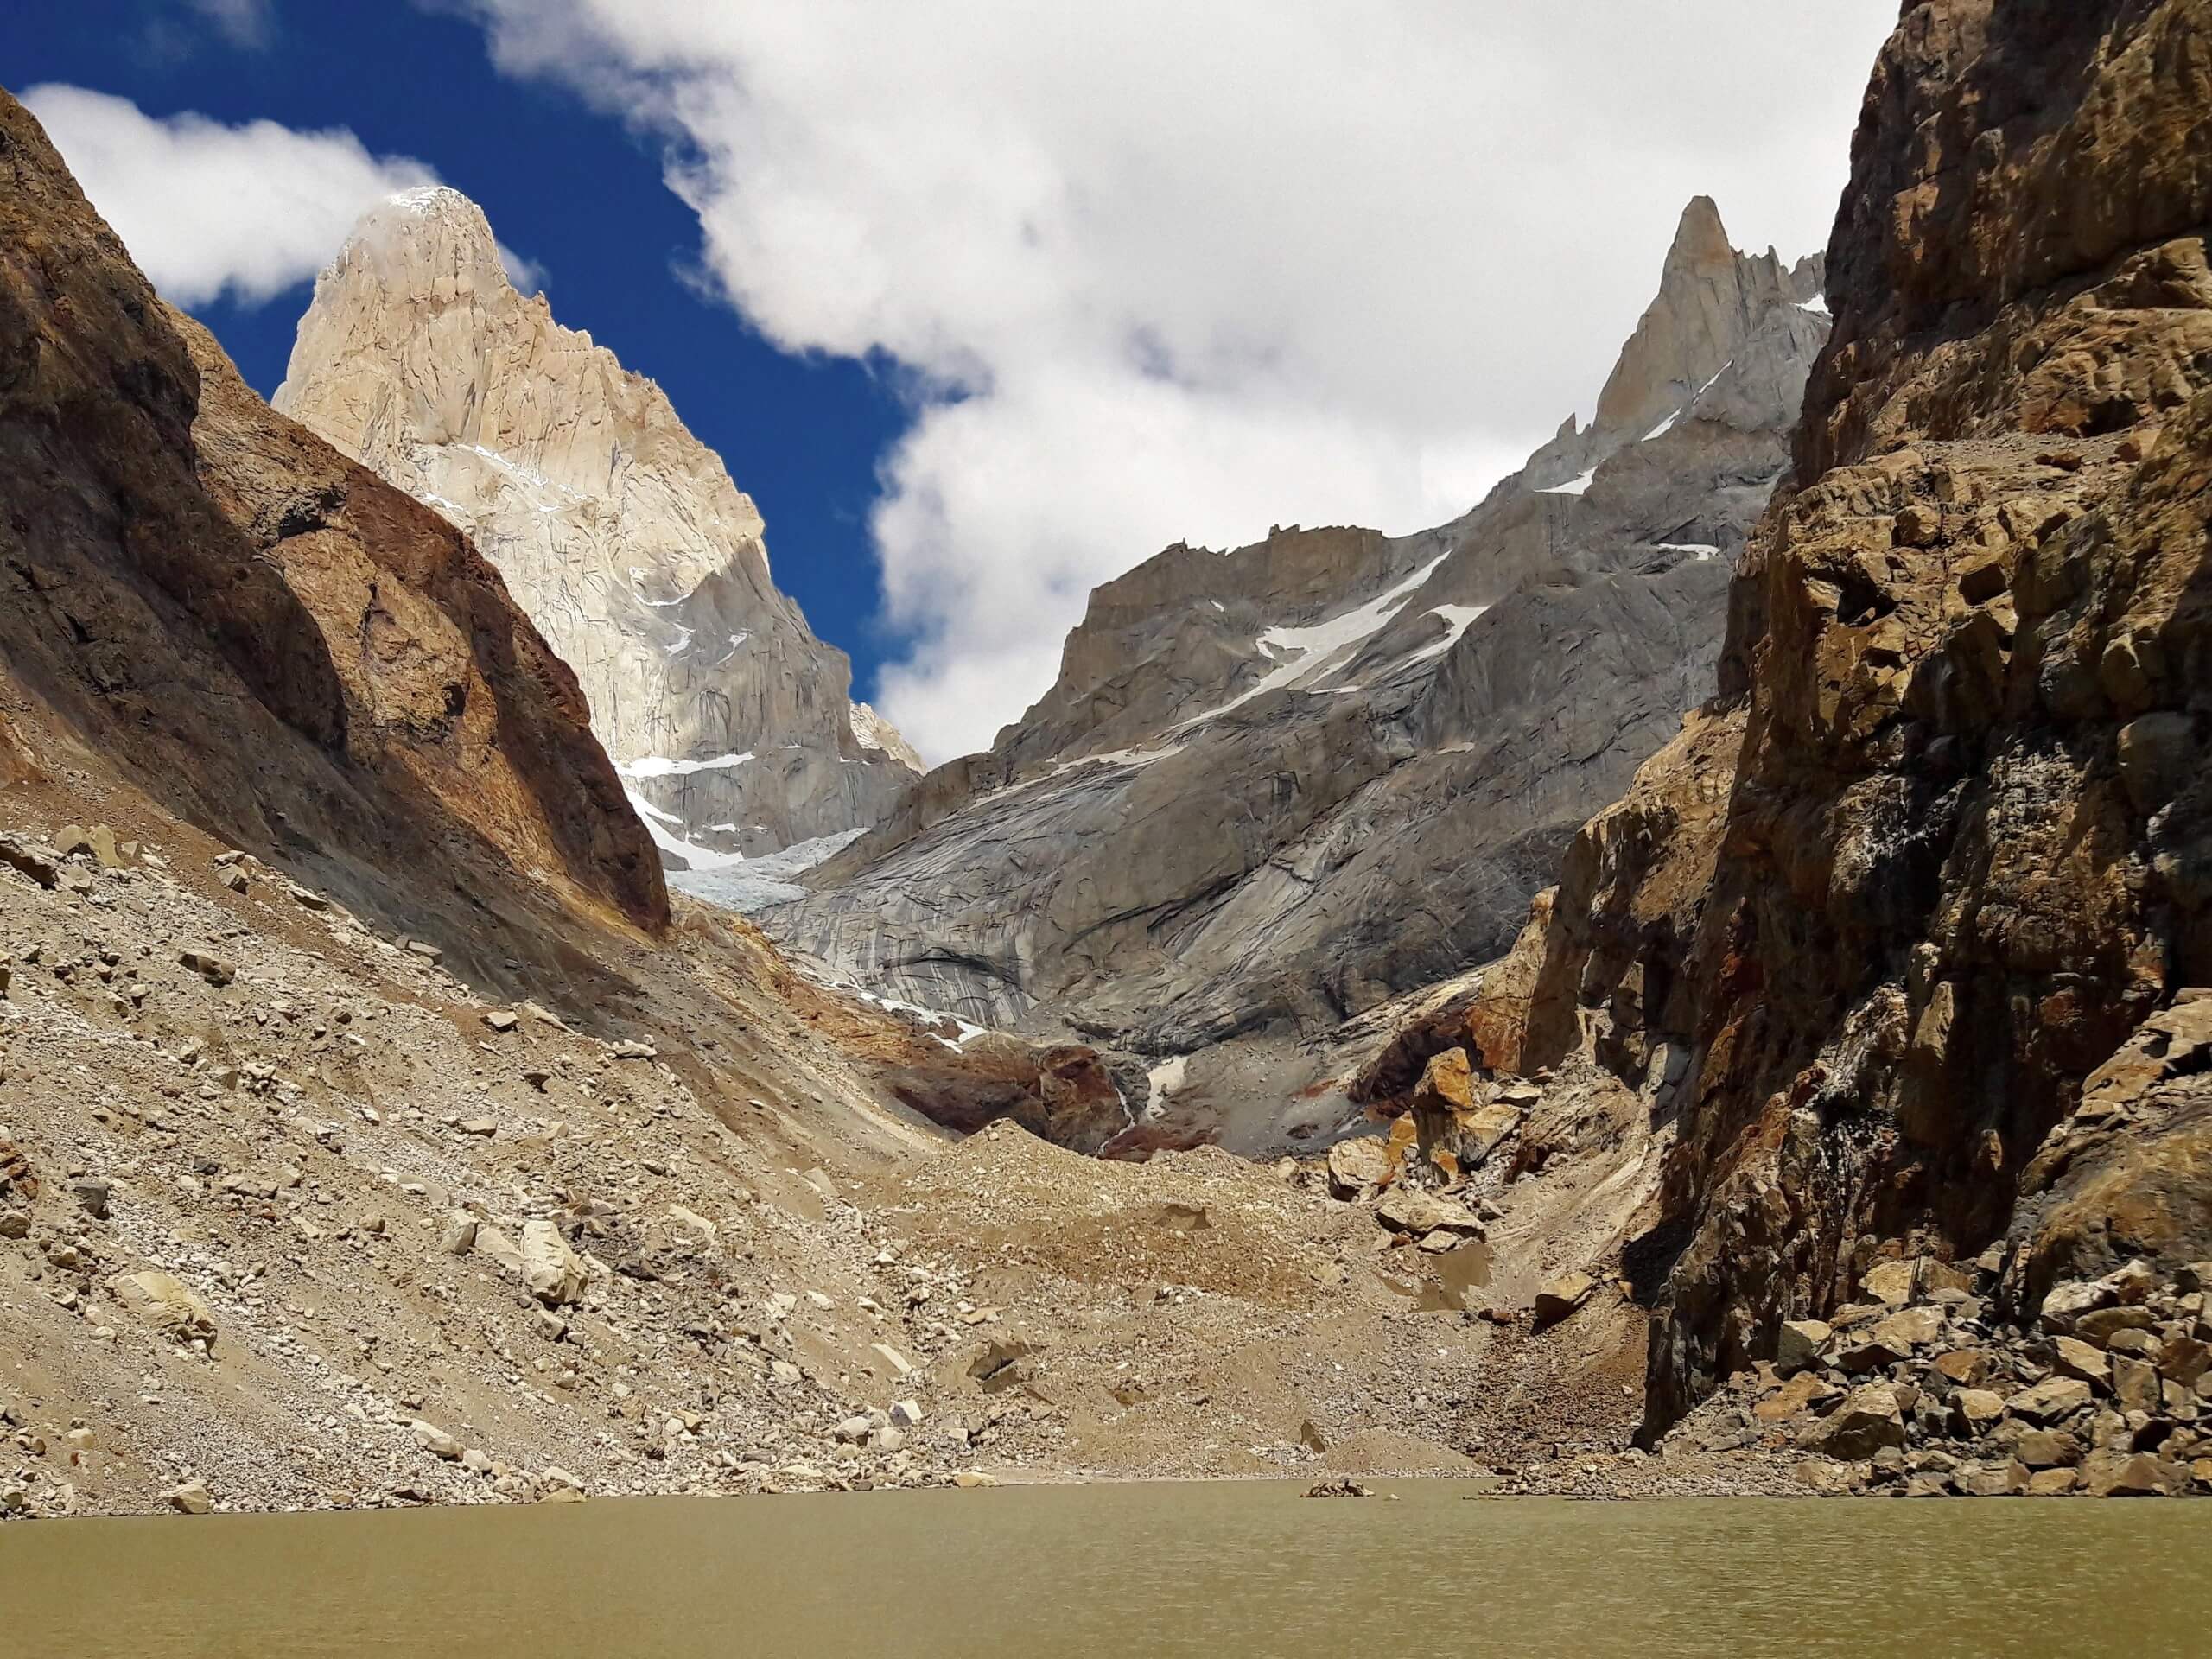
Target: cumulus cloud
x,y
207,209
1162,271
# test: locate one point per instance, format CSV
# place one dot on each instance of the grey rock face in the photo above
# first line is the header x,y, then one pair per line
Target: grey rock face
x,y
1273,787
621,535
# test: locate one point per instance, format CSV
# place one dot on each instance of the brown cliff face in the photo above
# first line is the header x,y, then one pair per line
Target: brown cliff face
x,y
1969,846
269,639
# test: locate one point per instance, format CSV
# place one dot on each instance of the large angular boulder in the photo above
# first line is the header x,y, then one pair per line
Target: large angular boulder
x,y
1868,1420
166,1303
554,1272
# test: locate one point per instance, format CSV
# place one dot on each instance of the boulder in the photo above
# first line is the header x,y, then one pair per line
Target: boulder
x,y
554,1274
1974,1412
1358,1164
1797,1347
32,859
1408,1210
460,1235
498,1248
2051,1400
2111,1474
1868,1420
2048,1448
189,1497
435,1441
1561,1296
2074,1357
164,1302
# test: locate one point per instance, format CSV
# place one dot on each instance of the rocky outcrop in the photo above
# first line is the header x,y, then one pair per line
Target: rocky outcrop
x,y
264,636
619,532
1964,854
1273,787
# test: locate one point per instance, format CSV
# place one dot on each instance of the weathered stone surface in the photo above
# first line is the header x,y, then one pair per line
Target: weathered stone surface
x,y
2073,1357
1939,907
1358,1164
1233,853
1798,1347
1561,1296
166,1303
2051,1400
1868,1420
2044,1448
1409,1210
555,1273
647,574
1974,1411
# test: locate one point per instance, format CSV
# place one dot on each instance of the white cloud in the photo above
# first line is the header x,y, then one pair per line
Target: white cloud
x,y
207,209
1179,269
244,23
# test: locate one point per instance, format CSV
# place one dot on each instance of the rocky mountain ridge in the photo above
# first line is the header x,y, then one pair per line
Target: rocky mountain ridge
x,y
1273,788
1905,937
621,535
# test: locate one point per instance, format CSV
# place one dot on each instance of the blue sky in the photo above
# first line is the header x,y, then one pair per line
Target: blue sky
x,y
983,301
567,187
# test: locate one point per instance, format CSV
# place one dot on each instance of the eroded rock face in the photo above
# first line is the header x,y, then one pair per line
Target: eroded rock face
x,y
1273,787
1966,850
620,533
272,641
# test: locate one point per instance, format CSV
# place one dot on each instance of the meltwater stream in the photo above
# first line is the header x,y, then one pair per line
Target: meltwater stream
x,y
1224,1570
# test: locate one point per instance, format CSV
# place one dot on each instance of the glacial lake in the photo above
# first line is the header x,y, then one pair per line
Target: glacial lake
x,y
1225,1570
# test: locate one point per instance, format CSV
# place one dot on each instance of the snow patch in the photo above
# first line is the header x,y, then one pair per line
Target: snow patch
x,y
655,765
1457,619
1575,486
1818,305
1695,549
734,883
1164,1080
1306,658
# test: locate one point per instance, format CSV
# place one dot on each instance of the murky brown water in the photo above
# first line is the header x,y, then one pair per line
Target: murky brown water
x,y
1227,1571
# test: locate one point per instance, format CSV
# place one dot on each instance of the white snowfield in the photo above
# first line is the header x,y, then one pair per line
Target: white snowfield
x,y
1575,486
1307,658
1457,619
655,765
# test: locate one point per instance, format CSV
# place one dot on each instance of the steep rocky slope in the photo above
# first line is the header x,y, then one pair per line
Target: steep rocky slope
x,y
371,1133
621,535
263,634
1275,787
1890,985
